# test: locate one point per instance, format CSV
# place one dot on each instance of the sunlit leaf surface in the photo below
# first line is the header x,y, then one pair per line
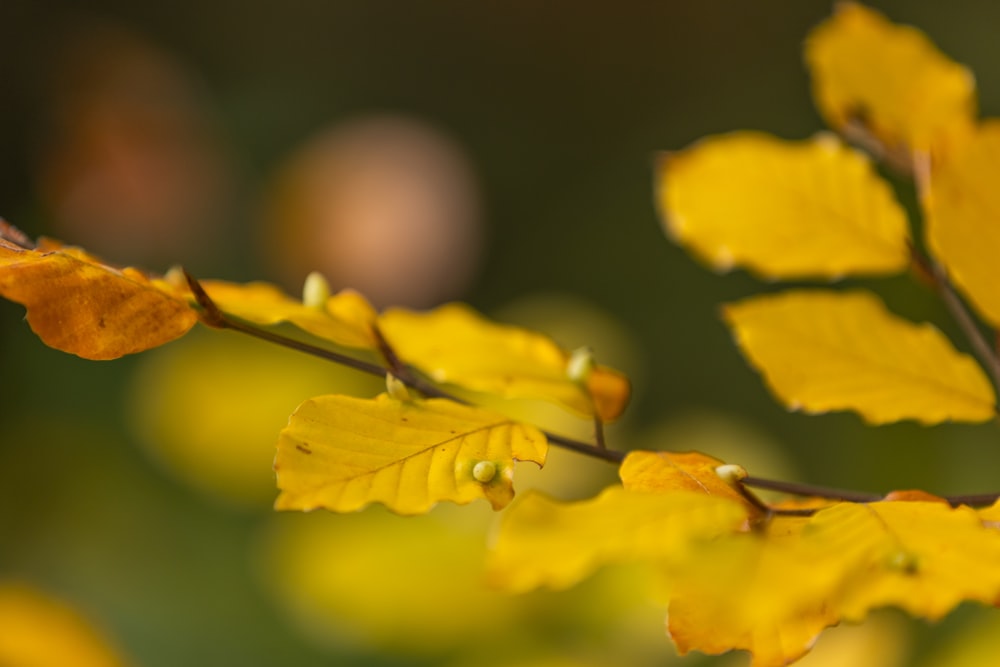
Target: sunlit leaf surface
x,y
820,350
457,345
545,542
890,78
342,453
963,205
782,209
80,305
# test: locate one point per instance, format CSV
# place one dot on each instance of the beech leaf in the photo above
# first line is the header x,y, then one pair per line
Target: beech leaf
x,y
962,205
457,345
771,592
782,209
78,304
891,78
545,542
821,350
346,318
749,591
665,472
341,453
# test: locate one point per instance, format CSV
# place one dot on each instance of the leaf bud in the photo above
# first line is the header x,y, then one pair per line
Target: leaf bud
x,y
397,388
484,471
731,474
315,291
175,277
904,562
580,364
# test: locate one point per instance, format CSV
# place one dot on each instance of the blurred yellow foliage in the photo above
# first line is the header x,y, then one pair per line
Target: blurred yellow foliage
x,y
37,630
888,77
210,407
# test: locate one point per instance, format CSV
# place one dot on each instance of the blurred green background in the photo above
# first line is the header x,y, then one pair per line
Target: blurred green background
x,y
216,134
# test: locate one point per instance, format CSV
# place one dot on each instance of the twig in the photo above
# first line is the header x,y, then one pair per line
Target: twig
x,y
214,317
796,489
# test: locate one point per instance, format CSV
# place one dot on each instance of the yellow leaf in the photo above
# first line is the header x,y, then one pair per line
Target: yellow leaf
x,y
341,453
821,350
782,209
80,305
666,472
544,542
39,630
962,203
345,318
455,344
772,592
889,77
924,557
757,591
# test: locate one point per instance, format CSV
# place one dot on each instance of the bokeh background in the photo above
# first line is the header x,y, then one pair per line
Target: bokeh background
x,y
497,153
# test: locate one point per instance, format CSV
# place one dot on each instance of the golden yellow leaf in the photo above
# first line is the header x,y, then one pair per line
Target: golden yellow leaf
x,y
924,557
341,453
889,77
545,542
80,305
457,345
751,591
770,592
666,472
345,318
991,515
782,209
39,630
962,203
821,350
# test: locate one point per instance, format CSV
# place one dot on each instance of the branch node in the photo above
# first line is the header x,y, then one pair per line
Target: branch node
x,y
211,314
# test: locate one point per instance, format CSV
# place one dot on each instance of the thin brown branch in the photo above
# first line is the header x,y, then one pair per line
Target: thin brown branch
x,y
809,490
214,317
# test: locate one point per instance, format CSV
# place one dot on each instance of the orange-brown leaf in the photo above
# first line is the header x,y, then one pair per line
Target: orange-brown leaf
x,y
80,305
667,472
